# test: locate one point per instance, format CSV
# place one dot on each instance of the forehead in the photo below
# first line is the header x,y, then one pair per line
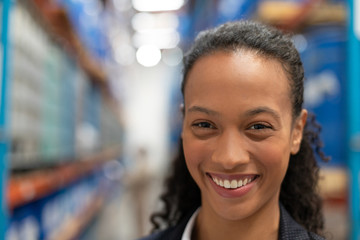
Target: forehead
x,y
242,74
239,62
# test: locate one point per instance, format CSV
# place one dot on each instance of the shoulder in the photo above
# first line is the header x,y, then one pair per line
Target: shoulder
x,y
291,230
314,236
162,235
173,233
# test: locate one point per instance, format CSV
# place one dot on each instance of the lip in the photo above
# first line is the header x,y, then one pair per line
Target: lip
x,y
234,192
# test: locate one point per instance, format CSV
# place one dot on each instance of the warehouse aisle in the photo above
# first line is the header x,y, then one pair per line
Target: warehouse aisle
x,y
90,107
118,220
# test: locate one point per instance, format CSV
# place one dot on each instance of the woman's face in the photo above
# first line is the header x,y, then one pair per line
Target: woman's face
x,y
238,132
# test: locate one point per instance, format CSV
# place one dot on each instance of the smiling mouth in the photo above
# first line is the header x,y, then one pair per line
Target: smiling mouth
x,y
233,183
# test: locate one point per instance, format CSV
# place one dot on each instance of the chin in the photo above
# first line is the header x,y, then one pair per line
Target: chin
x,y
234,212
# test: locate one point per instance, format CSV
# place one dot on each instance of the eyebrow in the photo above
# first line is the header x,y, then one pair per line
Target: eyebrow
x,y
202,110
249,113
263,109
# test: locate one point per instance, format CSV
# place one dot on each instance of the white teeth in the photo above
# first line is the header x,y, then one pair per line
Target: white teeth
x,y
245,181
231,184
226,184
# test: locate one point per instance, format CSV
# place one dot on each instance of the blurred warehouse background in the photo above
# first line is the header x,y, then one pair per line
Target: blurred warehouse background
x,y
89,107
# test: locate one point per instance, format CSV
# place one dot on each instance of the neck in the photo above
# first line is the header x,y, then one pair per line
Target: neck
x,y
264,224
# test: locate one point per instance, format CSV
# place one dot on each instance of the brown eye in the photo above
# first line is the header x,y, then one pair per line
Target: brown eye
x,y
259,126
203,125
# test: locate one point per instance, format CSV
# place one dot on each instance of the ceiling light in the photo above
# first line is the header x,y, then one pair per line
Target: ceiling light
x,y
157,5
148,55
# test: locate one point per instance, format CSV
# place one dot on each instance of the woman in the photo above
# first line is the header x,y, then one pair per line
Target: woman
x,y
246,168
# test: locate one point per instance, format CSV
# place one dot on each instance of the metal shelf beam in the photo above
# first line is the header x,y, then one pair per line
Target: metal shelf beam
x,y
4,144
353,88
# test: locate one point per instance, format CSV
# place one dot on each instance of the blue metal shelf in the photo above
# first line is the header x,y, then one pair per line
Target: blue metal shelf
x,y
51,79
353,88
4,144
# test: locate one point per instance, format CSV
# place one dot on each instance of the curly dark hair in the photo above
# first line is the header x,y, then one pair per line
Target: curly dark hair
x,y
298,192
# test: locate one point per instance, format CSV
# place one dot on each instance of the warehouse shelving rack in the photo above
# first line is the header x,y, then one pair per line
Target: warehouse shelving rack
x,y
5,6
353,98
35,188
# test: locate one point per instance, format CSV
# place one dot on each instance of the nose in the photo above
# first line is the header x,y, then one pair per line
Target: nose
x,y
231,150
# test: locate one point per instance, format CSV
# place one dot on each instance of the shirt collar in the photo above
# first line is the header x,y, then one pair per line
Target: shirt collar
x,y
190,226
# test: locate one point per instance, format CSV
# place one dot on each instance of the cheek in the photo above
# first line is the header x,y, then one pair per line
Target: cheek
x,y
274,157
192,152
196,153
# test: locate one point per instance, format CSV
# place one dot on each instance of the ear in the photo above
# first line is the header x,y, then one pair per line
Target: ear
x,y
297,132
182,110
